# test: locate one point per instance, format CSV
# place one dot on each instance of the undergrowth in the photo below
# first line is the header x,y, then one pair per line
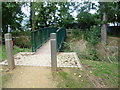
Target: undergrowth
x,y
22,38
92,35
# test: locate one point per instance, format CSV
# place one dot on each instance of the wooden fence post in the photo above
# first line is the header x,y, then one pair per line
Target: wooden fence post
x,y
53,51
9,50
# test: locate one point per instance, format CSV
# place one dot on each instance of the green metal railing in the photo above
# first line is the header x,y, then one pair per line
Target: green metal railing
x,y
40,36
60,37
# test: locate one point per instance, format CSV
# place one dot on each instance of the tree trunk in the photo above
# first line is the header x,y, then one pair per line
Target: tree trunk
x,y
104,28
33,16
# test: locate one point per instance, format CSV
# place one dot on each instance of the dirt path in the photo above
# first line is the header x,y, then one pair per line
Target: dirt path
x,y
30,77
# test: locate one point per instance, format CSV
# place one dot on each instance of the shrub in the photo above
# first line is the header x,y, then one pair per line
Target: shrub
x,y
22,42
20,33
93,54
93,35
21,38
66,47
76,33
90,54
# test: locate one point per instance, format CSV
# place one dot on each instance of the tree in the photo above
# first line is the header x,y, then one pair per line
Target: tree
x,y
113,17
84,18
34,7
104,8
109,13
45,14
65,18
11,15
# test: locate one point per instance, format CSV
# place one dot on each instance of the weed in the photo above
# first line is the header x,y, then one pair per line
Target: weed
x,y
63,75
66,47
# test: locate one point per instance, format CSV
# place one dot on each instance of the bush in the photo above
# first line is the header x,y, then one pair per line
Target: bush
x,y
90,54
21,39
93,35
76,33
93,55
66,47
22,42
20,33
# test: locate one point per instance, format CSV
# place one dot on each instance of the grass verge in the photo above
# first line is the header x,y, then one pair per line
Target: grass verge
x,y
107,72
94,75
72,78
3,55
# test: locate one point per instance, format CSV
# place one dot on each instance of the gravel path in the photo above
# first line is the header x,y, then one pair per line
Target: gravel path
x,y
43,58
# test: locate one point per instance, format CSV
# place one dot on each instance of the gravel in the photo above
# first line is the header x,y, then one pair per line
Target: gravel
x,y
32,59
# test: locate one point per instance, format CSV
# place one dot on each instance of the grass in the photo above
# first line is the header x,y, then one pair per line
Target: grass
x,y
104,72
3,55
108,72
5,76
72,78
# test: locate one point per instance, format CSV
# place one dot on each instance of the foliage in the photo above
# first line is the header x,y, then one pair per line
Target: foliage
x,y
21,38
109,7
89,54
85,20
92,54
22,41
44,14
65,18
66,47
93,35
76,33
94,50
20,33
11,15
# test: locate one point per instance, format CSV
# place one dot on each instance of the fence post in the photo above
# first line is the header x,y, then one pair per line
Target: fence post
x,y
53,51
9,50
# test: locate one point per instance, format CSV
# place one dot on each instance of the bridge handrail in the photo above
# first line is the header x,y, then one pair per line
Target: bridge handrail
x,y
60,36
40,36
